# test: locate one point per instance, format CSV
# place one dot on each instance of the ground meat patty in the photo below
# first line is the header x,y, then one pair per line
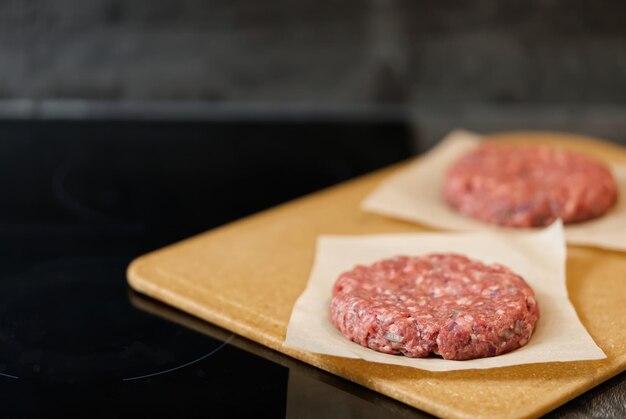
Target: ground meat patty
x,y
529,186
442,304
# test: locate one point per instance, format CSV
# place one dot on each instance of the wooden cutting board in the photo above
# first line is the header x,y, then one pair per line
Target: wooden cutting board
x,y
246,277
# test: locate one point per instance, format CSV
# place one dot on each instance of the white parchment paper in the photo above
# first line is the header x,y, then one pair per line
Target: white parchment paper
x,y
415,194
539,256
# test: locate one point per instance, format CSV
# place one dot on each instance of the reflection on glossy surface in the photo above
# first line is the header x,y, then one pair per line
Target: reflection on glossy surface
x,y
311,393
66,320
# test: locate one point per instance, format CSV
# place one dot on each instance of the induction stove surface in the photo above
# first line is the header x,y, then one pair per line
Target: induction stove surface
x,y
82,199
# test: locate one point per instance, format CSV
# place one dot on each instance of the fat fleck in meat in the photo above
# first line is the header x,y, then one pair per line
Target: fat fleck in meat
x,y
442,304
529,186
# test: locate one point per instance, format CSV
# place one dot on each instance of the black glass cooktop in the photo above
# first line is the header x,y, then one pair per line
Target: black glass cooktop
x,y
81,199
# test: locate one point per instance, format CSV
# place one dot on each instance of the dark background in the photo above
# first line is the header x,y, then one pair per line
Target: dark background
x,y
482,64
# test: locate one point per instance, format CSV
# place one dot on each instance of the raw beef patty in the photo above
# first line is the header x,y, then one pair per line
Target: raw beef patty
x,y
443,304
528,186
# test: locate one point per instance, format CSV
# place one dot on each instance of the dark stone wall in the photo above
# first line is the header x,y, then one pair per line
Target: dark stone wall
x,y
338,52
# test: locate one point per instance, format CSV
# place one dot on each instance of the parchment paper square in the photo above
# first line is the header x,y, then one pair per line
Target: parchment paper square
x,y
415,194
538,256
